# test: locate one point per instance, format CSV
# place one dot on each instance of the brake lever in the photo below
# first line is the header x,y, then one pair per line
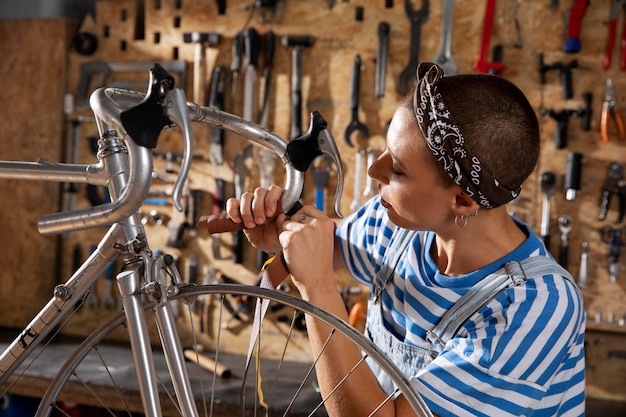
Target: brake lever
x,y
175,105
317,141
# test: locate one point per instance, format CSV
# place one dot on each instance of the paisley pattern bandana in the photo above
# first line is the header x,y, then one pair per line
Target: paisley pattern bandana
x,y
446,142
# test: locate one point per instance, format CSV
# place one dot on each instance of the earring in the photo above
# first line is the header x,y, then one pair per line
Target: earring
x,y
460,221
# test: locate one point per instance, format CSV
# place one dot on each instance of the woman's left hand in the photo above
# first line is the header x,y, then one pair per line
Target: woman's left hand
x,y
308,240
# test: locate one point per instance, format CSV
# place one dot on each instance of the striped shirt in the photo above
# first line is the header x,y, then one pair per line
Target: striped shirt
x,y
520,355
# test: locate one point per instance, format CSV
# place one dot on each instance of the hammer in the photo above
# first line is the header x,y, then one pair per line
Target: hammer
x,y
297,43
201,40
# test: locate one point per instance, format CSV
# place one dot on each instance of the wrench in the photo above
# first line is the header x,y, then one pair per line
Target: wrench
x,y
565,226
381,59
584,259
369,192
358,168
547,182
355,87
417,19
320,179
444,57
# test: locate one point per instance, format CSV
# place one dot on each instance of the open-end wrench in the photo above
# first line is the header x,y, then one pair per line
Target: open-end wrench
x,y
565,226
483,65
382,53
584,262
369,191
417,19
355,89
547,181
444,57
358,175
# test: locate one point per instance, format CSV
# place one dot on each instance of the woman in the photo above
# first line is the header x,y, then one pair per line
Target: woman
x,y
458,150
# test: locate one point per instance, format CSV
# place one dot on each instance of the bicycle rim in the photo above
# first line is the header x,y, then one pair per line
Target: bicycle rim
x,y
101,374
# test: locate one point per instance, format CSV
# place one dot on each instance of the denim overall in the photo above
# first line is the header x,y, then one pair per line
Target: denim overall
x,y
409,359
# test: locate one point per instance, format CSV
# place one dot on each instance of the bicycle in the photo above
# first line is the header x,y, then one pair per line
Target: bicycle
x,y
129,124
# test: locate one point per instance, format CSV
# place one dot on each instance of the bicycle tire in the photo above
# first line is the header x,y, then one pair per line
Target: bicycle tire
x,y
71,379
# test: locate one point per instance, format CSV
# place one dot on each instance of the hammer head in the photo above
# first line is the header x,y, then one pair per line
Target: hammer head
x,y
297,40
202,37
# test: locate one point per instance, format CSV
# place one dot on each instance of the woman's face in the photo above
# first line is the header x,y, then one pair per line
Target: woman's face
x,y
410,184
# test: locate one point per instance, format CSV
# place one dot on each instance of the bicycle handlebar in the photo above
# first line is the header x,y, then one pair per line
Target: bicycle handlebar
x,y
139,118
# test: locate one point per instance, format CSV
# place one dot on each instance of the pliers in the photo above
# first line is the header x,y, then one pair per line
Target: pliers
x,y
616,5
610,107
614,185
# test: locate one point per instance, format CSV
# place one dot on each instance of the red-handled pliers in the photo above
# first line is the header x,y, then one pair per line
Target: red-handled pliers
x,y
610,107
616,7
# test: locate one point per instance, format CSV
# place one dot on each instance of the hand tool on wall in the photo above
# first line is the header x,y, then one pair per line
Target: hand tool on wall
x,y
444,57
267,8
584,266
576,14
358,176
201,41
355,90
611,109
615,238
573,174
614,184
240,171
562,119
235,68
565,71
216,100
408,76
369,190
268,45
207,363
617,7
483,65
219,199
320,174
252,49
382,55
297,44
547,182
565,223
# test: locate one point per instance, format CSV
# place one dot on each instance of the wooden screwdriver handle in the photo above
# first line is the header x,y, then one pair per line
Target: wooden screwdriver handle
x,y
207,363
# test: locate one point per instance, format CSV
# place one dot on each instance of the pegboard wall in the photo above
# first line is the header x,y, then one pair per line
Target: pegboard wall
x,y
531,34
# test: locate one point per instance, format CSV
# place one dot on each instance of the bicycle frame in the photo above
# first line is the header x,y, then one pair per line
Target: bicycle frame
x,y
126,169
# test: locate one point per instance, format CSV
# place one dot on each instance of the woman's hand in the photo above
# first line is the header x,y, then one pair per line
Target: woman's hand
x,y
308,240
259,212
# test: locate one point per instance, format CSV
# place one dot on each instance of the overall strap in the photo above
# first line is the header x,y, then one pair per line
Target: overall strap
x,y
399,241
513,273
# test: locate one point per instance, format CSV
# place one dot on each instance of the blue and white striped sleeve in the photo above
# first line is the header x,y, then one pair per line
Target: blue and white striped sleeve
x,y
521,354
361,237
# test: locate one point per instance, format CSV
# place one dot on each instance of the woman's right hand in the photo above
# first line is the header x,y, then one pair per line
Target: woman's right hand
x,y
261,214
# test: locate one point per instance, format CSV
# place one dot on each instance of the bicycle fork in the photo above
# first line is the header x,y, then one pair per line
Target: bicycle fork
x,y
132,292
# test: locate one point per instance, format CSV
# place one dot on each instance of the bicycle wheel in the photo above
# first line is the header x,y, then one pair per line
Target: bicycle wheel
x,y
275,381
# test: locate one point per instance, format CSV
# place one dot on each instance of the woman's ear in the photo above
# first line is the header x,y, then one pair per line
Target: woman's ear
x,y
465,205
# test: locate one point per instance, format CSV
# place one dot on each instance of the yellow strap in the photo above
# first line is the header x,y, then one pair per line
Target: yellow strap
x,y
259,380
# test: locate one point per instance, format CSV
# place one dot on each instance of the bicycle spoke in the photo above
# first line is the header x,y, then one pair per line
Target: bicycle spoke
x,y
270,379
